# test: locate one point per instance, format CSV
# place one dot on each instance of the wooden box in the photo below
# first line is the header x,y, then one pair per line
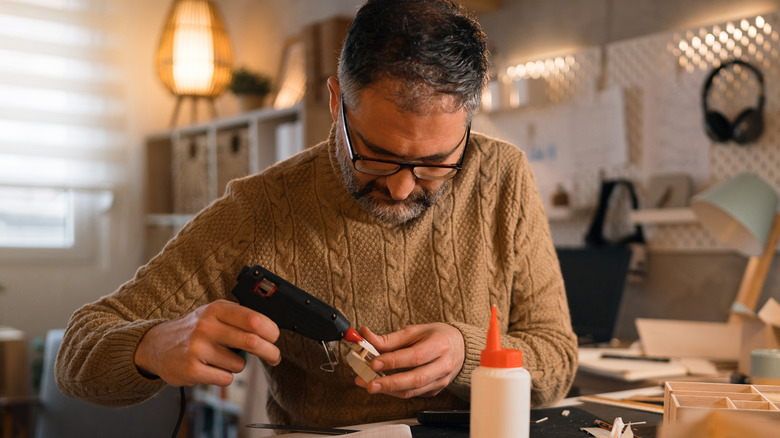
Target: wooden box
x,y
687,400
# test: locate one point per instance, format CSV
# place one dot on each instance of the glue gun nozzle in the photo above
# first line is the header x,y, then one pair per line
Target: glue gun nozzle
x,y
353,336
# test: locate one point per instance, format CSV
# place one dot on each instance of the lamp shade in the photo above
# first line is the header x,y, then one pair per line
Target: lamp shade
x,y
739,212
194,57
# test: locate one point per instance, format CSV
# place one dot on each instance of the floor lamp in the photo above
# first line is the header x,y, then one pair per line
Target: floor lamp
x,y
742,213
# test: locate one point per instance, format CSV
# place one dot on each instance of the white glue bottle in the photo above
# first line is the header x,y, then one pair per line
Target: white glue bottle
x,y
500,390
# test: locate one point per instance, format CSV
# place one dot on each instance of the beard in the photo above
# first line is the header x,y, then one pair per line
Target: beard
x,y
384,208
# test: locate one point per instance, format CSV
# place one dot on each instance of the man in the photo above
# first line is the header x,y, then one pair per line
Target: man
x,y
404,220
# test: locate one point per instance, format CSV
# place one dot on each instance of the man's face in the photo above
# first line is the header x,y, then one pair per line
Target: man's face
x,y
379,130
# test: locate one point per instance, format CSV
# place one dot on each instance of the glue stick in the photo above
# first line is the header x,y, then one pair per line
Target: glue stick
x,y
500,390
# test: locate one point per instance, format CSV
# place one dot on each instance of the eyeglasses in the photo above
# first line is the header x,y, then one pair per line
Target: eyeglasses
x,y
378,167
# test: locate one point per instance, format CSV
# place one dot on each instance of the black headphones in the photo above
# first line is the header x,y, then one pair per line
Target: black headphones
x,y
748,125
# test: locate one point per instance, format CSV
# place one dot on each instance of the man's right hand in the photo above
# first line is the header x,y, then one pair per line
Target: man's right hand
x,y
196,348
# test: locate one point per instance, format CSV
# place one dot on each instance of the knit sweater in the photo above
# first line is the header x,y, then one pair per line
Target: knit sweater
x,y
486,241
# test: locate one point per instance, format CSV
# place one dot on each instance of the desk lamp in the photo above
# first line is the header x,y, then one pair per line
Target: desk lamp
x,y
742,213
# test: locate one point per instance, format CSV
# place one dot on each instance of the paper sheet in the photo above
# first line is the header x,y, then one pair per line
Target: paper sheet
x,y
389,431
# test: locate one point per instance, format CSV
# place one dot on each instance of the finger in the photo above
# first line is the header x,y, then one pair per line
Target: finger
x,y
418,382
235,338
249,320
414,356
394,340
250,331
197,373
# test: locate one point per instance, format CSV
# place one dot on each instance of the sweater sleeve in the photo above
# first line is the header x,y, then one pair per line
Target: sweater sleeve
x,y
96,359
538,319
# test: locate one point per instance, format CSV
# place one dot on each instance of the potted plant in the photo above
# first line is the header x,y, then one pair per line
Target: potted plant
x,y
250,87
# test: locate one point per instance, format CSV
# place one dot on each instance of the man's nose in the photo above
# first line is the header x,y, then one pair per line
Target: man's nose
x,y
401,184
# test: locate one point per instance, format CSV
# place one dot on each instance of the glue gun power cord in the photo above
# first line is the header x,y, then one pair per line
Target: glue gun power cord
x,y
182,405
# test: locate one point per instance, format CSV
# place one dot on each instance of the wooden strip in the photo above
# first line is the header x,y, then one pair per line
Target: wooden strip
x,y
629,404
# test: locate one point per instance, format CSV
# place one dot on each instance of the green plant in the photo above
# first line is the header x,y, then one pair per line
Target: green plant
x,y
245,81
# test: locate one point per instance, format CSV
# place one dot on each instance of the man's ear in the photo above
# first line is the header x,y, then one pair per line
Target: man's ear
x,y
335,97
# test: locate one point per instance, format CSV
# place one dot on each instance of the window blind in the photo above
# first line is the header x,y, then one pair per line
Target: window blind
x,y
62,115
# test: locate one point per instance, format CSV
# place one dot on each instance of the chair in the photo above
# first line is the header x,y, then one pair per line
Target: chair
x,y
62,416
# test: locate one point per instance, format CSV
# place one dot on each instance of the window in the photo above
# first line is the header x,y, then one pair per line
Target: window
x,y
62,139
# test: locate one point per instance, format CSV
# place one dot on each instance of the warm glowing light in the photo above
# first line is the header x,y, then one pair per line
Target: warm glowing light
x,y
737,34
695,42
709,39
730,27
730,44
716,47
683,45
723,37
760,21
752,32
767,28
194,57
744,24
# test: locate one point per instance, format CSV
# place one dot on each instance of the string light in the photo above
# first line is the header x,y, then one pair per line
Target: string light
x,y
701,49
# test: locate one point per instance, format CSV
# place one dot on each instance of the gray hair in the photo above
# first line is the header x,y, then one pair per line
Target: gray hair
x,y
427,48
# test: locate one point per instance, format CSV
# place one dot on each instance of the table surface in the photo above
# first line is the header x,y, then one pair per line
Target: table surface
x,y
606,413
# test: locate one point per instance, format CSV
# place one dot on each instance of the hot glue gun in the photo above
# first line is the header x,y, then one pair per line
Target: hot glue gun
x,y
293,309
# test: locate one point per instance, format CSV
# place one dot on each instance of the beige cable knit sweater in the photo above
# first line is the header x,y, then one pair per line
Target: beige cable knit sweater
x,y
485,242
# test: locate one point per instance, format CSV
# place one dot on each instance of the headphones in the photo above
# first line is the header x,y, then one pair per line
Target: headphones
x,y
748,125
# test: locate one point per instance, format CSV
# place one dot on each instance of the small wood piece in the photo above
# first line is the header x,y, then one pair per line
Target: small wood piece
x,y
361,366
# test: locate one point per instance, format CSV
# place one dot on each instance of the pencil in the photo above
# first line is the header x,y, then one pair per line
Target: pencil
x,y
647,358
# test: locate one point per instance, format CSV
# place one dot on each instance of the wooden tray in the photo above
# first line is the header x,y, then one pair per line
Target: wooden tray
x,y
682,399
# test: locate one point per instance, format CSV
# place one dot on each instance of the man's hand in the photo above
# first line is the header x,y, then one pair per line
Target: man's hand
x,y
432,355
197,347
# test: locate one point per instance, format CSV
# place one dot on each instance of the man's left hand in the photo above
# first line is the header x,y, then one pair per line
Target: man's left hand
x,y
430,356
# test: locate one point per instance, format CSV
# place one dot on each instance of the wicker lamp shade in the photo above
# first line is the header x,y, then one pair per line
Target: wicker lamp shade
x,y
194,57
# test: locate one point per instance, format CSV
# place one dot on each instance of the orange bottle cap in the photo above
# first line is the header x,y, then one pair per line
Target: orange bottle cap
x,y
493,356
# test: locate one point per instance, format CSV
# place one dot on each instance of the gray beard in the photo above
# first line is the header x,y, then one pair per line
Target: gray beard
x,y
388,211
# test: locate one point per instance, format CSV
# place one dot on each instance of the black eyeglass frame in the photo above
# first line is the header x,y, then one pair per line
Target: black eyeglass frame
x,y
355,157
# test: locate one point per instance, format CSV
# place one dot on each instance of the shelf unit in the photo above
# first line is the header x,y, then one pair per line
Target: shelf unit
x,y
190,166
